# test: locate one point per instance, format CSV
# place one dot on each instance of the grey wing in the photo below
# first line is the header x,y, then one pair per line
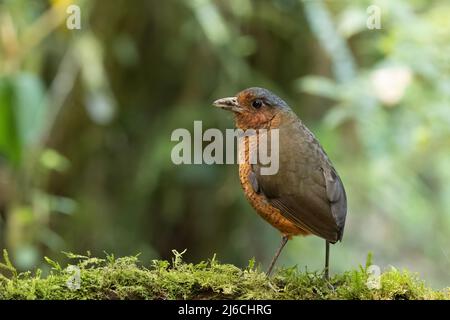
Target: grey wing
x,y
337,198
307,190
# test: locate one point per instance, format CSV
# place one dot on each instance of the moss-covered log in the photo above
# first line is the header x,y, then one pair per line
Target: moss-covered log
x,y
127,278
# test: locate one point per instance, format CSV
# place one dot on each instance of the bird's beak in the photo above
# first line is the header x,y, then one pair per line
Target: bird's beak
x,y
229,103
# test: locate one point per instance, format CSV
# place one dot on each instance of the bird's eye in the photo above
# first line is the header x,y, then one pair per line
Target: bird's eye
x,y
257,104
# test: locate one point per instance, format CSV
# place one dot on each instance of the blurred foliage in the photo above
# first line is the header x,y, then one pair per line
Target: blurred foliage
x,y
86,117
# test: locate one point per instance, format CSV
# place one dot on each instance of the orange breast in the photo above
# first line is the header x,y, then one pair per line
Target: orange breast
x,y
259,201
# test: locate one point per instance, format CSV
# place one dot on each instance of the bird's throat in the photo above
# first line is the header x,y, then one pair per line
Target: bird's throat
x,y
249,120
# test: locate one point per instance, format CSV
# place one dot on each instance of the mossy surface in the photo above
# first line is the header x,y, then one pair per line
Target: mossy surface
x,y
127,278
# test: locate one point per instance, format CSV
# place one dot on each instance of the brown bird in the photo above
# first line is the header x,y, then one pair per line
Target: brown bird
x,y
306,195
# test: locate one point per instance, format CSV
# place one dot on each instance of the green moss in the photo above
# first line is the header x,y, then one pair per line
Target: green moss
x,y
126,278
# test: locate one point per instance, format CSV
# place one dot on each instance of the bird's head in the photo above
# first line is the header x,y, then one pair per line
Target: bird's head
x,y
254,108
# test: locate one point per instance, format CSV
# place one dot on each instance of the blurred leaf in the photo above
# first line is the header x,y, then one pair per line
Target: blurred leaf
x,y
10,144
337,115
320,86
53,160
22,114
101,106
211,21
48,203
51,239
99,99
30,106
26,256
62,204
351,21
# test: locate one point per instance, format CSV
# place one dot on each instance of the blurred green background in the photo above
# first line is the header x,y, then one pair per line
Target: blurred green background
x,y
86,117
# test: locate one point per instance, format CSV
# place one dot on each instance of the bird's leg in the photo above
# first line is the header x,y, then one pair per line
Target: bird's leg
x,y
284,240
327,260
